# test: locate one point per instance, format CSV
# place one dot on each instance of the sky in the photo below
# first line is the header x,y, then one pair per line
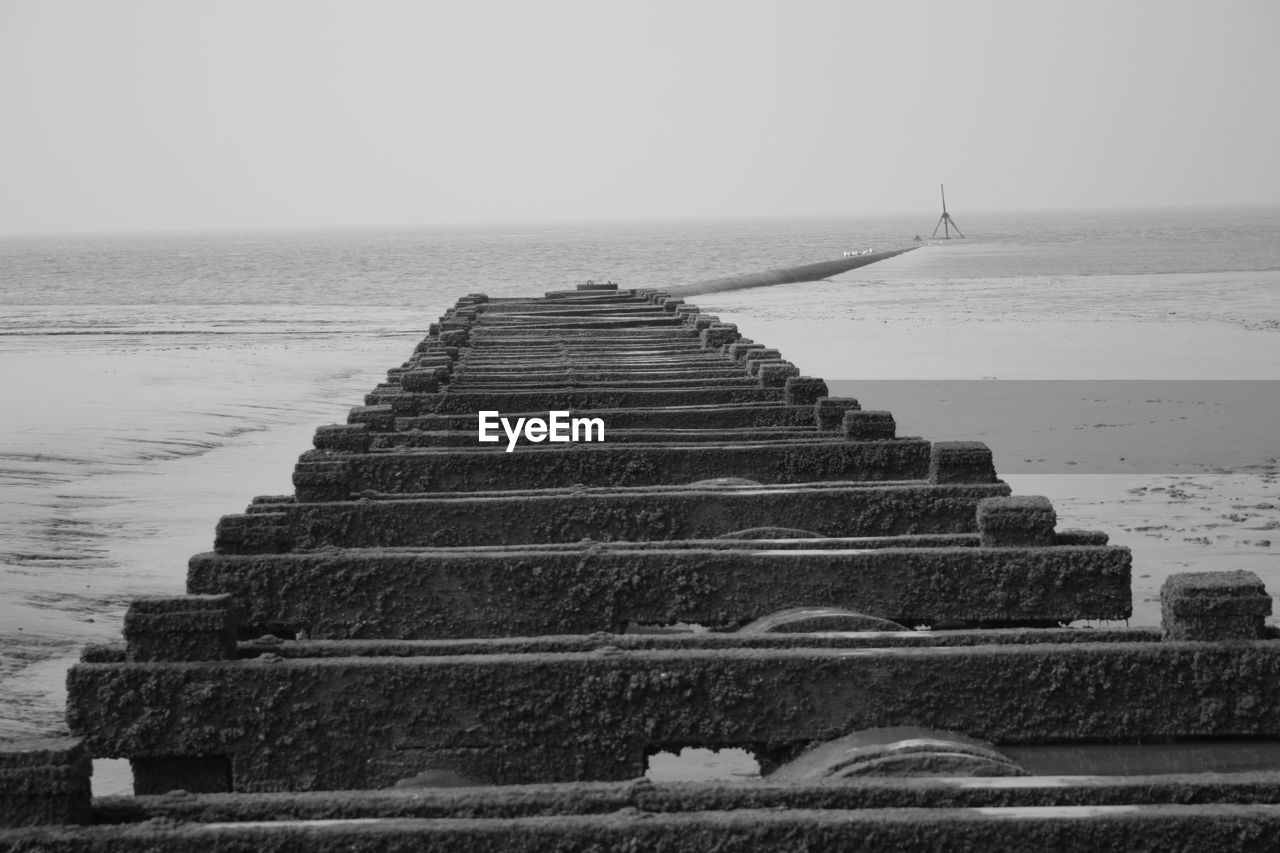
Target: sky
x,y
170,114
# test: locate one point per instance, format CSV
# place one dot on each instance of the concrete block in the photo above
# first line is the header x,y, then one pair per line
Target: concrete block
x,y
759,354
44,781
453,339
349,438
379,418
738,349
717,336
961,462
420,381
753,366
1214,606
776,374
180,628
804,390
828,412
860,425
1022,521
323,479
433,359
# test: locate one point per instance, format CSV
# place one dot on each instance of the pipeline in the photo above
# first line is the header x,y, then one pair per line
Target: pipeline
x,y
784,275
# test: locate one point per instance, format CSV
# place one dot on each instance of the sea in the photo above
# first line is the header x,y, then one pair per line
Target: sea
x,y
153,382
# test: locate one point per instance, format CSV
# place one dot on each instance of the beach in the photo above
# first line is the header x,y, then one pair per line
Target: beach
x,y
963,318
131,428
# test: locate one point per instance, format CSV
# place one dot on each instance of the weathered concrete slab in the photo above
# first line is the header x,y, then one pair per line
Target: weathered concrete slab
x,y
636,317
467,437
591,321
662,329
330,476
466,383
671,344
675,357
687,417
567,374
408,404
485,342
674,797
1130,829
641,640
612,307
570,515
467,593
560,368
602,331
650,359
514,718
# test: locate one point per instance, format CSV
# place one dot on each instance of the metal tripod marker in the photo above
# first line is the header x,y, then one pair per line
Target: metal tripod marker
x,y
945,222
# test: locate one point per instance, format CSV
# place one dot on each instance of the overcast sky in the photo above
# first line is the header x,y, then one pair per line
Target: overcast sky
x,y
302,113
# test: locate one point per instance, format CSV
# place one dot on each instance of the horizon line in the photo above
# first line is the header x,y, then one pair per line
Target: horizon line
x,y
439,225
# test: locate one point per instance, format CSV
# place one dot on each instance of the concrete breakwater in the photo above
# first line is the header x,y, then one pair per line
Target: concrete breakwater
x,y
787,275
878,615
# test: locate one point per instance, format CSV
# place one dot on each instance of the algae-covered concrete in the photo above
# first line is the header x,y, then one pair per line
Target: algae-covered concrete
x,y
317,723
569,515
468,593
44,781
1131,829
516,400
691,417
642,795
324,475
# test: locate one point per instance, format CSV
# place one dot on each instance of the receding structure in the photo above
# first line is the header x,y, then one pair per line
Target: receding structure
x,y
435,643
